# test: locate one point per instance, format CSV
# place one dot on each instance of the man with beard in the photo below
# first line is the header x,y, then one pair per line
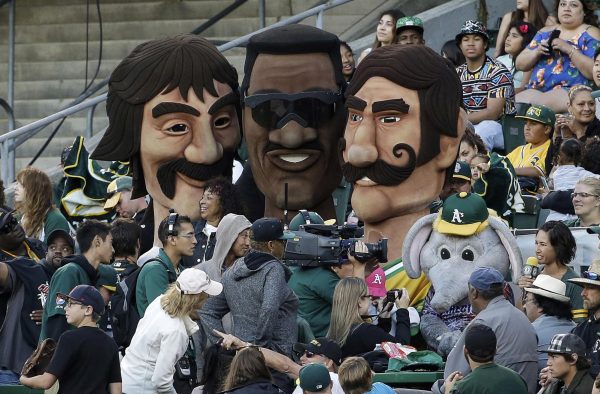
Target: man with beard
x,y
173,113
401,140
589,329
293,118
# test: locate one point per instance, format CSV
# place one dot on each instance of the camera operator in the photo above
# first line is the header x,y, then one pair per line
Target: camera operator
x,y
348,328
314,287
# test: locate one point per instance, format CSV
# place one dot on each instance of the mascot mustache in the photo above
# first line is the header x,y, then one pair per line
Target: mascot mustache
x,y
167,172
381,172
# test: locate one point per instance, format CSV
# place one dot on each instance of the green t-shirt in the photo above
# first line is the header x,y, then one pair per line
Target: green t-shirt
x,y
63,281
314,288
491,379
153,280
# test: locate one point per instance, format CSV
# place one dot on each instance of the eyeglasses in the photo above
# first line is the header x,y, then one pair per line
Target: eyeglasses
x,y
9,225
70,303
583,195
188,236
274,110
590,275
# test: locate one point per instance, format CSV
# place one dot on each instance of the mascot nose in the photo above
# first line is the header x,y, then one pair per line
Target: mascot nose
x,y
362,155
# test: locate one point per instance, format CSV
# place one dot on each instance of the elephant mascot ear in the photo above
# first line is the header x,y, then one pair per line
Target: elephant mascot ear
x,y
510,244
414,241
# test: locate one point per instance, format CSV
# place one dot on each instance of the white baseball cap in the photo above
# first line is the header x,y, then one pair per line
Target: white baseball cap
x,y
195,281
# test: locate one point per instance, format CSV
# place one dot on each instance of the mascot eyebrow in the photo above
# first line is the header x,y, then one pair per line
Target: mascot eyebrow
x,y
170,108
378,106
391,105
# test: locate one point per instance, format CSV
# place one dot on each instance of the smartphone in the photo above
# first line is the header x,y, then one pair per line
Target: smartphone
x,y
555,33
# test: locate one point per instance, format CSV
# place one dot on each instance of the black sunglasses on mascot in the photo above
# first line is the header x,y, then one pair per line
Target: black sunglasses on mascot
x,y
9,225
310,109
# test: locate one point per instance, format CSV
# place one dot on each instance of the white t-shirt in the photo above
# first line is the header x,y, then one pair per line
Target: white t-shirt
x,y
335,389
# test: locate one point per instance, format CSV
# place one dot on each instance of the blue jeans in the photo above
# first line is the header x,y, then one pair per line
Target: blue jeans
x,y
8,377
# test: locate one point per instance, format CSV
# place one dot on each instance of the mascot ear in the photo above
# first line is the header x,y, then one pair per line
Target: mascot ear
x,y
416,237
510,244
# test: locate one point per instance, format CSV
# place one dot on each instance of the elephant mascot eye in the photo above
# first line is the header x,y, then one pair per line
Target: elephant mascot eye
x,y
468,255
445,254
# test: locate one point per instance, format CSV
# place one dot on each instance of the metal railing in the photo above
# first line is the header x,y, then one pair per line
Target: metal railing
x,y
13,139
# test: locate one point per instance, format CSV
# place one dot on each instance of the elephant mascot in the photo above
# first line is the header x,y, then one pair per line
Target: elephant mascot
x,y
448,246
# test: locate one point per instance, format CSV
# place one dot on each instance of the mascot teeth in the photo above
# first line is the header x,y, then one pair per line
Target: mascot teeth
x,y
293,158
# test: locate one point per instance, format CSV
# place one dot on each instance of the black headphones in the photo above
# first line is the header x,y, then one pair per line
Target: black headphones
x,y
171,221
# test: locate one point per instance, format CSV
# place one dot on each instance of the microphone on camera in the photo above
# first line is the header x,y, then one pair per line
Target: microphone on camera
x,y
531,267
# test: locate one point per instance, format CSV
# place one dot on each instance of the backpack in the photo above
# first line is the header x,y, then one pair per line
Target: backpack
x,y
124,316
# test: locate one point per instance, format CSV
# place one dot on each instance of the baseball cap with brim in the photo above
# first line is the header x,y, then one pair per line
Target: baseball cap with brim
x,y
304,217
566,344
549,287
322,346
107,277
86,295
472,27
462,214
484,278
376,283
64,235
114,190
410,22
269,229
314,377
589,277
539,113
462,171
195,281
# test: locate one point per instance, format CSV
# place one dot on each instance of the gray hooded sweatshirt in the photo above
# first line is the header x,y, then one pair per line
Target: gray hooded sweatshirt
x,y
229,228
262,305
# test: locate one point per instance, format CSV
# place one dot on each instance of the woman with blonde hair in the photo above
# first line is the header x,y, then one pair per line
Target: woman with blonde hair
x,y
356,377
586,203
581,122
162,335
248,373
349,310
33,200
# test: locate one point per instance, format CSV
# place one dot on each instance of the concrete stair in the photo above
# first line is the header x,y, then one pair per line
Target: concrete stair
x,y
50,48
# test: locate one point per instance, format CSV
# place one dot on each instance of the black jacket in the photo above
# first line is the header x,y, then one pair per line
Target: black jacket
x,y
257,387
588,331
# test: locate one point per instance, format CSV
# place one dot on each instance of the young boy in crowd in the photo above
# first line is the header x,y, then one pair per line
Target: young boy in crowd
x,y
530,160
86,360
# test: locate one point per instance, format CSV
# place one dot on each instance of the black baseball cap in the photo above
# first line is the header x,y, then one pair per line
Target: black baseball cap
x,y
269,229
87,295
321,346
61,233
480,341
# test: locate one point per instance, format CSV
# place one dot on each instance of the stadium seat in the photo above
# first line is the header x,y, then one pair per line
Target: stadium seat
x,y
529,217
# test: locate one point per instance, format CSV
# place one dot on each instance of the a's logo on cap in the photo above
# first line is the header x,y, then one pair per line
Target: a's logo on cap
x,y
457,216
377,279
534,111
457,167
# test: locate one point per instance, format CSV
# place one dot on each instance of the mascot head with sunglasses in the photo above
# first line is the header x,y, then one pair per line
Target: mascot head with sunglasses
x,y
293,117
173,110
402,136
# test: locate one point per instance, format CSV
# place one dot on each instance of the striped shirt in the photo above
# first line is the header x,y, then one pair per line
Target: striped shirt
x,y
491,80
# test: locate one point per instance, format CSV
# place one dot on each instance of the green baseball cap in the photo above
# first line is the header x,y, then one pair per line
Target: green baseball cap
x,y
107,277
314,377
462,171
539,113
410,22
305,217
462,214
114,190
